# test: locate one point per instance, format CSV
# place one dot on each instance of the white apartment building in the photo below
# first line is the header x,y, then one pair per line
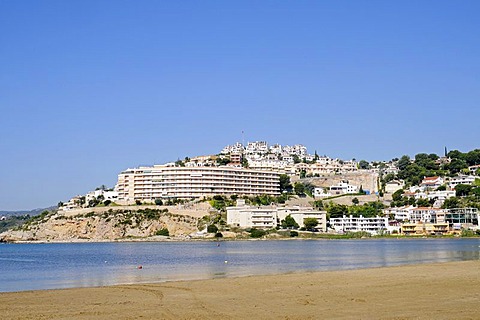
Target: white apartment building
x,y
399,213
426,214
416,215
460,179
467,218
160,181
245,216
270,165
252,217
441,195
355,224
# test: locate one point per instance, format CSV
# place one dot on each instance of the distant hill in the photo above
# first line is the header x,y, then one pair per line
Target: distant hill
x,y
34,212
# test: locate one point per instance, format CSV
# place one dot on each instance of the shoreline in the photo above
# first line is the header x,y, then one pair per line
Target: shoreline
x,y
446,290
181,239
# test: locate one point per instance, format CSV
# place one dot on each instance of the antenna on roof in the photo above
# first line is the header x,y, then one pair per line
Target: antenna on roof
x,y
243,138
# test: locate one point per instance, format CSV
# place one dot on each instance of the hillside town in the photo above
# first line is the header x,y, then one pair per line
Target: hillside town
x,y
313,192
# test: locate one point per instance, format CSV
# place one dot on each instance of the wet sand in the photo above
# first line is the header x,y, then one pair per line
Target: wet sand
x,y
427,291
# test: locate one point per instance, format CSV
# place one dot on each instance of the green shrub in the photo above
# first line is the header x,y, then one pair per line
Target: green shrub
x,y
293,233
162,232
212,228
467,233
257,233
218,235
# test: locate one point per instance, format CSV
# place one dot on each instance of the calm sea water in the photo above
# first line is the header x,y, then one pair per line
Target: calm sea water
x,y
54,266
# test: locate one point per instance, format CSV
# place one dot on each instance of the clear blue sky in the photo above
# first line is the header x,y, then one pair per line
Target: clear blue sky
x,y
89,88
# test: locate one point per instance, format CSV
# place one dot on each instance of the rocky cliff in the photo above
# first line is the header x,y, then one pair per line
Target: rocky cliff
x,y
111,224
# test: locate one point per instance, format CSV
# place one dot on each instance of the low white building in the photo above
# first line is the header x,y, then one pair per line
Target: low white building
x,y
460,179
300,214
394,185
107,195
320,192
373,225
343,188
441,195
245,216
474,169
399,213
431,183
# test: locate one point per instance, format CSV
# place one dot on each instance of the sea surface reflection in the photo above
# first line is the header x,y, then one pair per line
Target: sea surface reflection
x,y
52,266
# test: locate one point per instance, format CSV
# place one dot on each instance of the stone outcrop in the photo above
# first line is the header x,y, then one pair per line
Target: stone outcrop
x,y
106,225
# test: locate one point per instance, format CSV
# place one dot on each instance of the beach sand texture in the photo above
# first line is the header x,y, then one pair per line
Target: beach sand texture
x,y
428,291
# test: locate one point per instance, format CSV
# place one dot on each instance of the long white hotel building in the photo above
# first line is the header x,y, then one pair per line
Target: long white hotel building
x,y
163,182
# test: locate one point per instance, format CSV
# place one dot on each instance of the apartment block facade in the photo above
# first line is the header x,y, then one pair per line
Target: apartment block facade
x,y
163,182
268,217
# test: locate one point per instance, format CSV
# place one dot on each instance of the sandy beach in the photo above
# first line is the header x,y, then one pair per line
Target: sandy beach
x,y
428,291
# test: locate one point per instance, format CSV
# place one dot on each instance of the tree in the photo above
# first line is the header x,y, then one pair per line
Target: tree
x,y
179,163
455,154
361,191
244,162
222,161
257,233
476,192
442,188
355,201
473,157
451,203
310,223
337,210
403,162
285,184
212,228
163,232
397,195
462,190
456,166
363,164
289,223
159,202
299,188
318,204
423,202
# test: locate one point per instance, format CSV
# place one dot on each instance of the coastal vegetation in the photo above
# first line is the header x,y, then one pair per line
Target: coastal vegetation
x,y
12,222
